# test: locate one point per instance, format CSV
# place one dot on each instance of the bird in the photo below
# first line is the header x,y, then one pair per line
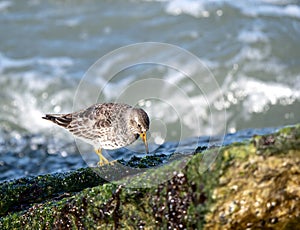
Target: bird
x,y
105,126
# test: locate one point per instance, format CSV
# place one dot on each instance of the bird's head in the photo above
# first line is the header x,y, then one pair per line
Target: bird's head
x,y
139,124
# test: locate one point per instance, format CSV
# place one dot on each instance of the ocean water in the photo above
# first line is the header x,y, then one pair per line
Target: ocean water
x,y
199,68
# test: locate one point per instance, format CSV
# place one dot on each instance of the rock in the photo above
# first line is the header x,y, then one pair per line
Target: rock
x,y
261,188
250,185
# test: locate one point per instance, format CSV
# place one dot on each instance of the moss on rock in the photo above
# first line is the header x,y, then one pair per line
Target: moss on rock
x,y
21,193
249,185
259,187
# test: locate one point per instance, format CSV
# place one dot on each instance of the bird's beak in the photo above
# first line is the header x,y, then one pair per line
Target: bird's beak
x,y
144,138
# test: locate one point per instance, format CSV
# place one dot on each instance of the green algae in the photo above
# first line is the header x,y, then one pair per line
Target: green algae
x,y
253,185
15,195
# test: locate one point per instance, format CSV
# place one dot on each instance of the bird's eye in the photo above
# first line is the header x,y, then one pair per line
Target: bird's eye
x,y
139,125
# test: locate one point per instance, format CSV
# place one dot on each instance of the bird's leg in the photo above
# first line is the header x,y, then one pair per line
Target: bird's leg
x,y
102,159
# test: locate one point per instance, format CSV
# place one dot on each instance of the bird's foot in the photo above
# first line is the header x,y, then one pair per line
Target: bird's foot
x,y
102,159
106,162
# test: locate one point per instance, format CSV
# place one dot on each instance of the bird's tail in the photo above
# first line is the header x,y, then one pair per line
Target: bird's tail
x,y
59,119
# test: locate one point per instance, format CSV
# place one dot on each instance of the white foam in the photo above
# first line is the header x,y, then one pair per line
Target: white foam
x,y
258,96
4,5
29,95
6,62
273,10
71,22
55,64
190,7
251,8
55,61
256,8
252,36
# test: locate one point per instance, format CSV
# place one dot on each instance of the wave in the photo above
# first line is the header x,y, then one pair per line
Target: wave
x,y
252,8
27,95
254,72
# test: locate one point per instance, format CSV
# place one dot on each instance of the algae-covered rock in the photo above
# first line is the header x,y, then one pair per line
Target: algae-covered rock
x,y
18,194
250,185
260,184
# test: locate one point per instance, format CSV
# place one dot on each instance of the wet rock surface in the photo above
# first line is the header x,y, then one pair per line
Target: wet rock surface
x,y
253,184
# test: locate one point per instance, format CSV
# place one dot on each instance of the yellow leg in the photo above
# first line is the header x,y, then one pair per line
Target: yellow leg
x,y
102,159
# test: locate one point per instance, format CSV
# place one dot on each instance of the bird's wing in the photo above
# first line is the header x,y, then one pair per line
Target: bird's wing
x,y
60,119
92,122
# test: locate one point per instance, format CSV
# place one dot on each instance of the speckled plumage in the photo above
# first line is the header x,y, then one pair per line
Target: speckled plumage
x,y
107,126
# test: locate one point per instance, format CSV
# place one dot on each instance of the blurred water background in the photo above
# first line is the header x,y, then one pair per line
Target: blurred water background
x,y
252,48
